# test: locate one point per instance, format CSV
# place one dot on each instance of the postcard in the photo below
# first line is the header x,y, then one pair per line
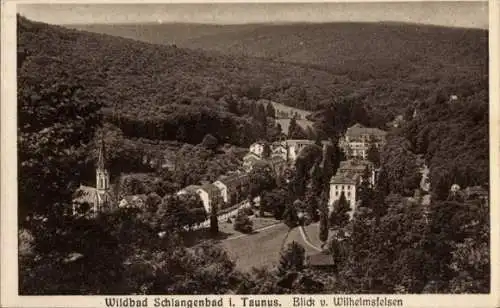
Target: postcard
x,y
250,154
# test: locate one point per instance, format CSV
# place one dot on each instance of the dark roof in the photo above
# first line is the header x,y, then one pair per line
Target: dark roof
x,y
210,188
235,178
357,130
344,178
190,189
321,259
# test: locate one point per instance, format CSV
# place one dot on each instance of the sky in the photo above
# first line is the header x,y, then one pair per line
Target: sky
x,y
446,13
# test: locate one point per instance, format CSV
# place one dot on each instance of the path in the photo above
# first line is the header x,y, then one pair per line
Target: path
x,y
306,239
255,231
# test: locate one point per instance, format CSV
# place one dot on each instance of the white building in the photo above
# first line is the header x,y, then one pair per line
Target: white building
x,y
257,148
223,190
358,138
133,201
349,176
210,195
343,184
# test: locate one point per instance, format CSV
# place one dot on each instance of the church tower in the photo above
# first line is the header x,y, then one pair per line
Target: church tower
x,y
102,177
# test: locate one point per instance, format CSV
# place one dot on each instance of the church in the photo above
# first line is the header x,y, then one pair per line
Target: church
x,y
89,200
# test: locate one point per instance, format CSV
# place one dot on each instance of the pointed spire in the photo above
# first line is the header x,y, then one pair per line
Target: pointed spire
x,y
101,155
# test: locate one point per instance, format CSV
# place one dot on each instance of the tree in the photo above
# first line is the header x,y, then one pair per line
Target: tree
x,y
214,222
339,217
266,151
57,119
153,201
274,202
290,216
242,222
209,142
373,155
294,130
261,179
323,227
312,207
292,259
271,112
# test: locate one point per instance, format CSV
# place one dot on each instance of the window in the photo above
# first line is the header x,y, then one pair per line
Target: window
x,y
336,193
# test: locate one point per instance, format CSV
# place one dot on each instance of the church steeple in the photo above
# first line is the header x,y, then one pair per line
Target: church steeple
x,y
102,175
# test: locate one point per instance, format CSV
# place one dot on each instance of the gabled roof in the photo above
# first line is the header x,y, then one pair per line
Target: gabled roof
x,y
358,130
343,178
135,200
354,164
190,189
251,157
236,178
210,189
85,194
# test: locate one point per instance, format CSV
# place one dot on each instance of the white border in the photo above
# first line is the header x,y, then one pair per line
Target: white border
x,y
9,266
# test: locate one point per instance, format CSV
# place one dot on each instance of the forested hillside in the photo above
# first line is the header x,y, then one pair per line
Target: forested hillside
x,y
381,64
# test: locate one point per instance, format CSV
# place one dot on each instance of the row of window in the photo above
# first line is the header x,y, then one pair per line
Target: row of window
x,y
344,187
337,193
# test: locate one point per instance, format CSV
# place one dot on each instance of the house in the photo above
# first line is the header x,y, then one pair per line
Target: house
x,y
358,138
210,195
346,184
133,201
233,187
257,148
278,164
249,161
322,260
357,166
279,149
92,200
476,192
191,189
397,122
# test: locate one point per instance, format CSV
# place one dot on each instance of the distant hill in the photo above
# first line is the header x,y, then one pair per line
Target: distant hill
x,y
167,92
395,50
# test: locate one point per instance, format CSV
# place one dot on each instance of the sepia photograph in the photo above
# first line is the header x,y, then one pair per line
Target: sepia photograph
x,y
252,149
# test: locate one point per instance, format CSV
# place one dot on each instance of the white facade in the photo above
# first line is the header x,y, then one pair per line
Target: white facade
x,y
223,189
205,199
257,148
349,190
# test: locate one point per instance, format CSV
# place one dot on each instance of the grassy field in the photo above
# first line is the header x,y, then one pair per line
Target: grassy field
x,y
262,249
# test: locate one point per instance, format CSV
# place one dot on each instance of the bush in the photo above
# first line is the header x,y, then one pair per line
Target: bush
x,y
243,223
248,211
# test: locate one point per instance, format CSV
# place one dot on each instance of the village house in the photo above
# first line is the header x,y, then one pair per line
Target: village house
x,y
358,138
345,184
278,164
92,200
233,187
191,189
476,192
133,201
358,167
257,148
249,161
210,195
279,149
